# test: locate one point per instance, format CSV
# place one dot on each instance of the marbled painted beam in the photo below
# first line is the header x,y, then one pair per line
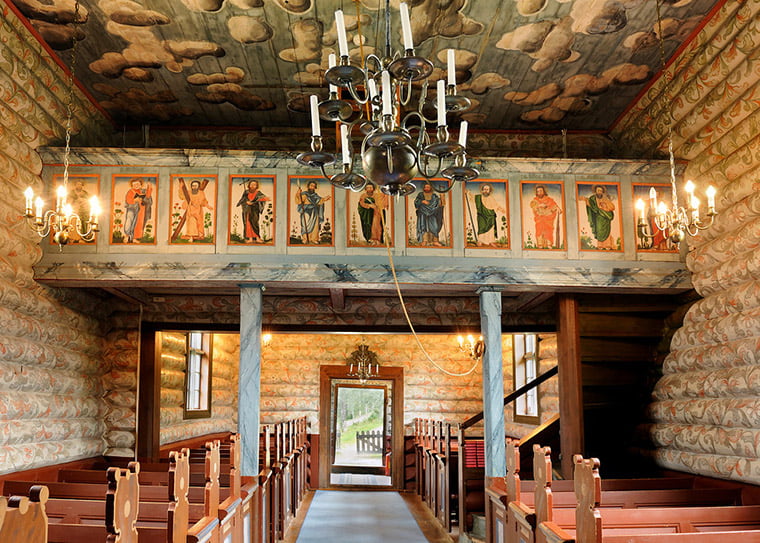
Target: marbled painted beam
x,y
198,271
225,158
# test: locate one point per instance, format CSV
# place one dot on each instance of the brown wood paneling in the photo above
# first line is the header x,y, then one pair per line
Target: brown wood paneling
x,y
149,395
603,324
610,350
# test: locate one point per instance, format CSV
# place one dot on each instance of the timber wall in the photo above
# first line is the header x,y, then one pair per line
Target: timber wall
x,y
705,413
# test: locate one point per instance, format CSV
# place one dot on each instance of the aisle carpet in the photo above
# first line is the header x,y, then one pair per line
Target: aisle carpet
x,y
359,517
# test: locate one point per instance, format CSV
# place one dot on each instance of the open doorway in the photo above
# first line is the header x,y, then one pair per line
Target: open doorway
x,y
361,429
361,435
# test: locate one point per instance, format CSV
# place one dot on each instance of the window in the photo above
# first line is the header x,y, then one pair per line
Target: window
x,y
525,350
198,376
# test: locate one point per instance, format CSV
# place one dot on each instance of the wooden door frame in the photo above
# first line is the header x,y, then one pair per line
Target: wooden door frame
x,y
393,374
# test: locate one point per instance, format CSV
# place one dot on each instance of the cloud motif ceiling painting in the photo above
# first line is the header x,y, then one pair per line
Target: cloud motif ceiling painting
x,y
526,64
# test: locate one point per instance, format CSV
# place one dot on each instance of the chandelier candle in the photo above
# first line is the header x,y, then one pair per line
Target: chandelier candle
x,y
315,129
372,86
29,197
387,106
344,144
452,74
331,64
463,134
441,103
406,26
340,26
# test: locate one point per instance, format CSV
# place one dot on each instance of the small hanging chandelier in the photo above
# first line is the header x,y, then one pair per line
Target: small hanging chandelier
x,y
63,221
677,221
395,149
363,364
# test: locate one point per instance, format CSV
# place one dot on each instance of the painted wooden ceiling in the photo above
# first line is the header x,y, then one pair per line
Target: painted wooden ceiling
x,y
525,64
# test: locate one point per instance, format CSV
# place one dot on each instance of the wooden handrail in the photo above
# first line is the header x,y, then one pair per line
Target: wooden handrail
x,y
513,395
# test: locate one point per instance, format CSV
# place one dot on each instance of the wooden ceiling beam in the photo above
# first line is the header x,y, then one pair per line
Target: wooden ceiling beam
x,y
338,299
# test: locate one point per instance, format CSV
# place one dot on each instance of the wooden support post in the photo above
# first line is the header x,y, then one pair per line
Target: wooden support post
x,y
570,382
493,382
249,383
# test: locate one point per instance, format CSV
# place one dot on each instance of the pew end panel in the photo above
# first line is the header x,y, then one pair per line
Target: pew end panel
x,y
122,504
23,518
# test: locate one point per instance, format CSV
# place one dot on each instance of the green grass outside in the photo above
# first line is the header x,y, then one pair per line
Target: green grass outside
x,y
348,438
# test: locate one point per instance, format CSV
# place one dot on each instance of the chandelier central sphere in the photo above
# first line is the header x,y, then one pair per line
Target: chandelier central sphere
x,y
397,147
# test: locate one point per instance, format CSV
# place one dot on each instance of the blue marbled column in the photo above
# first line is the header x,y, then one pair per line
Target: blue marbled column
x,y
249,383
493,383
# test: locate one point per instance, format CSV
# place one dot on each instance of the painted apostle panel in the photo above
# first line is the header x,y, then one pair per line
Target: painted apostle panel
x,y
81,187
133,217
193,204
651,239
252,216
428,217
370,217
543,215
310,211
486,214
599,224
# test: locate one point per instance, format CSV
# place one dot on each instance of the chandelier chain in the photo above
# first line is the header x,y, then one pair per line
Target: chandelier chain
x,y
70,98
668,82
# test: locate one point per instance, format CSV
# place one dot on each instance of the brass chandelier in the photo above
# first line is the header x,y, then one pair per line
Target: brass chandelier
x,y
63,220
677,221
396,146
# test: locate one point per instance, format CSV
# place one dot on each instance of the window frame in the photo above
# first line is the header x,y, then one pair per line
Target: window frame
x,y
521,375
205,373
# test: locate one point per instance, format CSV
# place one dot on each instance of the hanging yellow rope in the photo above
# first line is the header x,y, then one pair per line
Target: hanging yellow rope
x,y
406,313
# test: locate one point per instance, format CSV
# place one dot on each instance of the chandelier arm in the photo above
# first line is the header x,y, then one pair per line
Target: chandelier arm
x,y
355,96
76,223
661,222
374,58
406,99
41,230
642,234
702,225
324,173
423,168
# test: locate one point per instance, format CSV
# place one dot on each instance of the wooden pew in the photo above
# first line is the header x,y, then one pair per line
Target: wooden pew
x,y
76,503
726,524
527,511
